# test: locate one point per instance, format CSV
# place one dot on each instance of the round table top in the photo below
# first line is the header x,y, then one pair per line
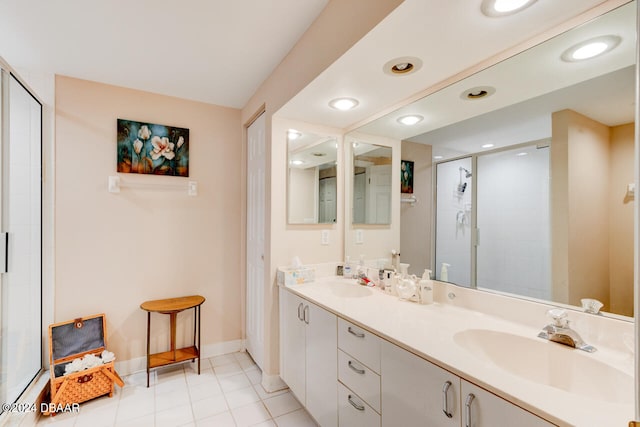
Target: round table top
x,y
172,305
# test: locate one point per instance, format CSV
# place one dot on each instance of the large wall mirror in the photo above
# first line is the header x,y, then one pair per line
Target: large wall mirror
x,y
312,178
532,162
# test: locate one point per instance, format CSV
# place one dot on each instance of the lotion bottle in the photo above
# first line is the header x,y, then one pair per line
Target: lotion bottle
x,y
346,270
444,272
425,288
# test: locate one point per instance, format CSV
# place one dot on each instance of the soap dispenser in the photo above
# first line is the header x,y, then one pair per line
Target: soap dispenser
x,y
425,288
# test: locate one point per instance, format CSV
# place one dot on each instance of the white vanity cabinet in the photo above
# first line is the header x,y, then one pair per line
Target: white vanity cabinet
x,y
309,356
416,392
481,408
359,399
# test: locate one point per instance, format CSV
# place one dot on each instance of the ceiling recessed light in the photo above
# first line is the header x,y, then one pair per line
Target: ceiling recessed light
x,y
521,154
402,66
437,157
410,120
488,145
495,8
297,162
591,48
293,134
477,92
343,104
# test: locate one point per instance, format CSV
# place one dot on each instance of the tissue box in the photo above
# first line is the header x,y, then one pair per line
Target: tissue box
x,y
296,276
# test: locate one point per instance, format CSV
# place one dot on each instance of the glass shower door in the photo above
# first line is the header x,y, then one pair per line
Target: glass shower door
x,y
514,228
20,286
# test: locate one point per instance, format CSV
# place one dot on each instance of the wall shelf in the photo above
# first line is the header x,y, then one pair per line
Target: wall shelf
x,y
115,183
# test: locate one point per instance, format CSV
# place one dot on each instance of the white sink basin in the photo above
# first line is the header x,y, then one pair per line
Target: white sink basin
x,y
348,290
549,363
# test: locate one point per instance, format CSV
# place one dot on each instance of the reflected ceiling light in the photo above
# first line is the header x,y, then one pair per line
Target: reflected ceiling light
x,y
297,162
437,157
488,145
477,92
293,134
343,104
410,120
591,48
522,154
495,8
402,66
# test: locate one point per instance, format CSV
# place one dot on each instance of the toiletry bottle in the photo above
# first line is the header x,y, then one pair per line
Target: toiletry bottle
x,y
361,271
444,272
346,270
426,288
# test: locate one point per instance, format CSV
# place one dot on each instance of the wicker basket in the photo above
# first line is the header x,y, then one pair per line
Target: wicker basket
x,y
71,340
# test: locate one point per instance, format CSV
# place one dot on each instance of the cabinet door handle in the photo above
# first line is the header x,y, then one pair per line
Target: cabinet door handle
x,y
354,404
467,409
300,311
445,399
305,314
357,334
354,369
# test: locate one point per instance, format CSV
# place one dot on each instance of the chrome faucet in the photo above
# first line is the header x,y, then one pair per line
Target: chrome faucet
x,y
560,332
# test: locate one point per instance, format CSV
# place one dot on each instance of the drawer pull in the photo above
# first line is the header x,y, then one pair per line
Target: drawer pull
x,y
354,369
305,314
299,311
467,407
354,404
445,399
357,334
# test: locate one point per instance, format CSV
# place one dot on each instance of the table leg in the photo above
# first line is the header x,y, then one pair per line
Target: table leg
x,y
195,325
173,317
148,344
199,340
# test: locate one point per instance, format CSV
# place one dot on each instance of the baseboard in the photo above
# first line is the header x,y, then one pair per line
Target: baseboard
x,y
272,383
139,364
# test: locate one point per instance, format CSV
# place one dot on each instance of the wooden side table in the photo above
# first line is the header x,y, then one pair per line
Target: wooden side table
x,y
173,306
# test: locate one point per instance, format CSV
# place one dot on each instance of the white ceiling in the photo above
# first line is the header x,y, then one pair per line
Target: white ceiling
x,y
215,51
448,36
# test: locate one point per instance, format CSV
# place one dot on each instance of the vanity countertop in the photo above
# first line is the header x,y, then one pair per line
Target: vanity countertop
x,y
434,333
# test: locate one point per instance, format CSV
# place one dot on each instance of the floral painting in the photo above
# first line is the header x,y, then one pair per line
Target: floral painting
x,y
152,149
406,179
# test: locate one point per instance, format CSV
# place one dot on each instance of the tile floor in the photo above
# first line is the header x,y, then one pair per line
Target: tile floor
x,y
226,393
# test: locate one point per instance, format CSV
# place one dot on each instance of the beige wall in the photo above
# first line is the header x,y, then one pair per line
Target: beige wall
x,y
114,251
330,36
621,224
415,221
580,208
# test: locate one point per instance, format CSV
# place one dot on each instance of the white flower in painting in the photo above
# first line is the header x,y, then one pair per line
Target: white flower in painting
x,y
403,166
137,146
144,133
180,141
162,147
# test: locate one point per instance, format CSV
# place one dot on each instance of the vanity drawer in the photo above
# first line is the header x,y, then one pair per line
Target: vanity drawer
x,y
359,343
353,411
362,380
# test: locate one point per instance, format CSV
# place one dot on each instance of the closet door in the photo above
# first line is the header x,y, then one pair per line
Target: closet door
x,y
256,166
20,290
